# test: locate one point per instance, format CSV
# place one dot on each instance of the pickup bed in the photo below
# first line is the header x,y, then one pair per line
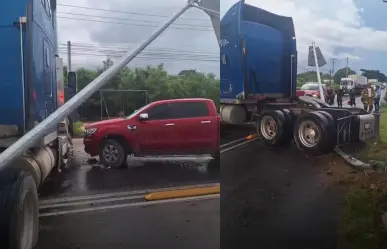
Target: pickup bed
x,y
169,127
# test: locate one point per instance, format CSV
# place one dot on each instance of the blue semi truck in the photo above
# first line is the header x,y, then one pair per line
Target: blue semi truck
x,y
31,88
35,123
258,70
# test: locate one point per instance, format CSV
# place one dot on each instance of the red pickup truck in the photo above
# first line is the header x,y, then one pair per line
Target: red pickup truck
x,y
168,127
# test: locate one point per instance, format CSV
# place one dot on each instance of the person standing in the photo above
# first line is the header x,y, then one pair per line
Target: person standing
x,y
340,94
377,98
367,97
352,97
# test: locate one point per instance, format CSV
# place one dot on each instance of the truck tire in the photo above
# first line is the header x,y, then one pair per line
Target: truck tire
x,y
311,133
271,127
19,214
112,154
332,128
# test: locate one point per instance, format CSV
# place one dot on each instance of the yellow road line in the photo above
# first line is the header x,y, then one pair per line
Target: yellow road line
x,y
181,193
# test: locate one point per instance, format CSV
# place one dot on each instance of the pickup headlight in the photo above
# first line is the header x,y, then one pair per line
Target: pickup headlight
x,y
90,131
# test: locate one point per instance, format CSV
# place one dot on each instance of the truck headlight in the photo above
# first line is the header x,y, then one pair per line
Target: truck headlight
x,y
90,131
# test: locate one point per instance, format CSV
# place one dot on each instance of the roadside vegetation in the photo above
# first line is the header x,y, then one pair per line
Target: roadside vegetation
x,y
153,82
79,129
378,150
366,199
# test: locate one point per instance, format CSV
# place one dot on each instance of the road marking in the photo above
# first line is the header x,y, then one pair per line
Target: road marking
x,y
182,193
126,205
80,203
238,145
117,194
249,137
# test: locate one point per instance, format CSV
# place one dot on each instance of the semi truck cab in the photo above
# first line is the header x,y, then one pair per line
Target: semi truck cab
x,y
258,60
31,82
28,81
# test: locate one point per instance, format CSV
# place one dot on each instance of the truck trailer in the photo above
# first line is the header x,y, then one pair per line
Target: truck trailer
x,y
34,116
258,69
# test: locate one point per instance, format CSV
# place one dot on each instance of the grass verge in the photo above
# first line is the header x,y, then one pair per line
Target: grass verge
x,y
361,224
79,129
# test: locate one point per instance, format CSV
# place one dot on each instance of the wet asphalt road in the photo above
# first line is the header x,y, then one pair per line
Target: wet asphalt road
x,y
177,225
190,225
277,199
270,198
84,178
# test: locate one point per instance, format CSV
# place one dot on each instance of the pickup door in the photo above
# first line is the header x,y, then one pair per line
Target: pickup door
x,y
196,126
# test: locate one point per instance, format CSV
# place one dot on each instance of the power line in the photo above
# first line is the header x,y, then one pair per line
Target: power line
x,y
176,58
125,48
126,19
125,12
128,24
122,51
145,56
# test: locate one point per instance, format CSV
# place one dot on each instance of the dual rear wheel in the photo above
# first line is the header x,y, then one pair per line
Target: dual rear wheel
x,y
312,132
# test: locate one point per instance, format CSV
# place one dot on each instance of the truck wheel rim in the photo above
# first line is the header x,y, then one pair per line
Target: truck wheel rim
x,y
111,153
27,224
268,127
308,134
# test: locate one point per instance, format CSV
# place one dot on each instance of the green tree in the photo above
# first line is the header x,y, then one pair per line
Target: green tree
x,y
155,80
374,74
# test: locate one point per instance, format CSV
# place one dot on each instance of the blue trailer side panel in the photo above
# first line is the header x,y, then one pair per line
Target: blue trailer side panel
x,y
11,99
38,46
258,54
42,78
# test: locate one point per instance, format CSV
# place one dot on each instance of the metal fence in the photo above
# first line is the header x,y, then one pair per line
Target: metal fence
x,y
111,103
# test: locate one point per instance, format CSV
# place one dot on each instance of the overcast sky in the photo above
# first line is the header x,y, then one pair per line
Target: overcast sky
x,y
342,28
191,44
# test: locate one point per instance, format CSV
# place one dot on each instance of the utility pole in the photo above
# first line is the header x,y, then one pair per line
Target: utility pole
x,y
347,62
333,68
69,56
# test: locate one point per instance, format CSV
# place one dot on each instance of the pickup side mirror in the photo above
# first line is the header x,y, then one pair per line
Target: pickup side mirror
x,y
143,116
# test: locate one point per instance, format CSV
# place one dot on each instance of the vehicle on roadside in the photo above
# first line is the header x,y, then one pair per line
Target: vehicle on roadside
x,y
188,126
312,90
258,83
353,81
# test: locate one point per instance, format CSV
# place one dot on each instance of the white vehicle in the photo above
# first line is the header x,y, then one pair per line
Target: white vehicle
x,y
354,81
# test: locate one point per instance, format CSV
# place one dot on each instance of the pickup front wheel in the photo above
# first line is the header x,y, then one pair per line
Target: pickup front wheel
x,y
112,153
